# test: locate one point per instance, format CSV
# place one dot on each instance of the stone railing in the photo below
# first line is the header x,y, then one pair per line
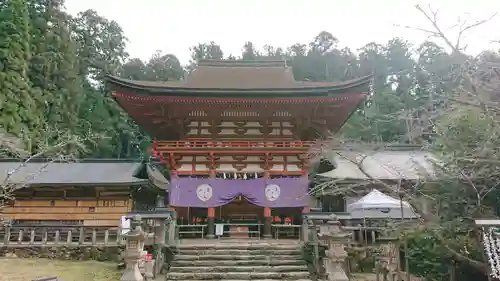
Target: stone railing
x,y
63,236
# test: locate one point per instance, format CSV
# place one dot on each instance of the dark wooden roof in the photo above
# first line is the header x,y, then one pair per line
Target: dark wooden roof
x,y
238,77
103,173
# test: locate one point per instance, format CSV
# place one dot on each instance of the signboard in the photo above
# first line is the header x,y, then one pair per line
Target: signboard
x,y
124,225
219,229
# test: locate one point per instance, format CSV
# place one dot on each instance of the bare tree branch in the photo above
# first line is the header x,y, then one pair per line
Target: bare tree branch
x,y
471,87
428,218
55,153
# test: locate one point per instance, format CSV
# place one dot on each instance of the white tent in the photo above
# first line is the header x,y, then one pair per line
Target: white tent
x,y
377,205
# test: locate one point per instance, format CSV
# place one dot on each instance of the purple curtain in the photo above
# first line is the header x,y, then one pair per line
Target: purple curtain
x,y
207,193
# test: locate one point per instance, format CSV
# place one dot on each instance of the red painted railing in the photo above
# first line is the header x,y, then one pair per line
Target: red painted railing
x,y
167,151
236,144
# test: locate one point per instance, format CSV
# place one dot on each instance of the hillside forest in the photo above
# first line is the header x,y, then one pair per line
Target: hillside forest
x,y
52,67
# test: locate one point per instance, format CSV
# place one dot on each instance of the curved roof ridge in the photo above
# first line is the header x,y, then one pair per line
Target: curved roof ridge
x,y
243,86
243,63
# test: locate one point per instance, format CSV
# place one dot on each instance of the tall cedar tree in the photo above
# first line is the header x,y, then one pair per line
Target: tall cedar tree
x,y
54,64
18,111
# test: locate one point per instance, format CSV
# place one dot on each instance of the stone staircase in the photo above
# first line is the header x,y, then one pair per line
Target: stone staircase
x,y
239,261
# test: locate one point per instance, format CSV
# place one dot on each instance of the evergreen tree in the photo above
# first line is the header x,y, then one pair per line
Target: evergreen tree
x,y
54,64
19,114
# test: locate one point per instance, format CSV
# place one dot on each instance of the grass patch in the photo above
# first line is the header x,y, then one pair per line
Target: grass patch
x,y
17,269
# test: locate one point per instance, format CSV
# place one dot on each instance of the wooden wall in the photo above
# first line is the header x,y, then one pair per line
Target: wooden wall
x,y
102,211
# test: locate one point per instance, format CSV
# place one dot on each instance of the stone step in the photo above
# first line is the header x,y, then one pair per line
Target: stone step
x,y
248,269
238,275
237,257
240,252
240,279
209,262
240,246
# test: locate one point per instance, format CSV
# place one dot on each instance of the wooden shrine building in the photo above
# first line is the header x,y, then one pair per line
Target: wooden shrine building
x,y
236,136
67,194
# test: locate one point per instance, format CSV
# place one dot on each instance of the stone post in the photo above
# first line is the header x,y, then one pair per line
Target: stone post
x,y
149,267
388,263
335,237
172,230
305,229
161,239
134,246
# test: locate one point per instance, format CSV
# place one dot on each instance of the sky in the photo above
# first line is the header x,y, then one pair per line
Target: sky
x,y
173,26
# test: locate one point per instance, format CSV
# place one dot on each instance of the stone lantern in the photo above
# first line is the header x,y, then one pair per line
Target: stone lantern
x,y
335,237
135,239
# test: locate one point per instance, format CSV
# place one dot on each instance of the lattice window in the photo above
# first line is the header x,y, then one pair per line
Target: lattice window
x,y
198,113
240,114
282,114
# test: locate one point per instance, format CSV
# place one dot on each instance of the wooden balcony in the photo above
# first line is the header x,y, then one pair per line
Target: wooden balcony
x,y
232,146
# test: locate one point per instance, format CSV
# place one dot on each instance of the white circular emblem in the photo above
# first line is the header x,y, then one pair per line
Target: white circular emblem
x,y
204,192
272,192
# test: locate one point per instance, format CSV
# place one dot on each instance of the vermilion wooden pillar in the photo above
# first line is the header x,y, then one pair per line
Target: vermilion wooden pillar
x,y
210,223
267,222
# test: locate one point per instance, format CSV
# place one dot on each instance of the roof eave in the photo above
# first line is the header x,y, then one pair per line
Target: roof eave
x,y
116,81
82,160
84,184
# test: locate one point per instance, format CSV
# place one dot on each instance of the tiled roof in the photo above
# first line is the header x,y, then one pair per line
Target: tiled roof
x,y
72,173
241,75
382,165
491,244
156,177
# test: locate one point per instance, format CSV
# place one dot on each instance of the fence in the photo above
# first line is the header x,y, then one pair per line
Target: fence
x,y
190,230
240,230
286,231
19,237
